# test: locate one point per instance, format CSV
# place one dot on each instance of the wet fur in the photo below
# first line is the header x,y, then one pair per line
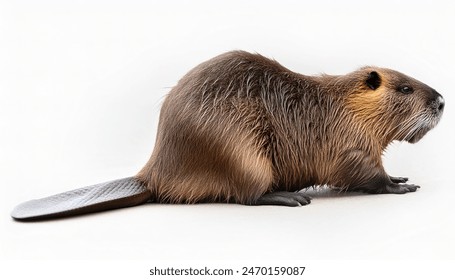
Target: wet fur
x,y
241,125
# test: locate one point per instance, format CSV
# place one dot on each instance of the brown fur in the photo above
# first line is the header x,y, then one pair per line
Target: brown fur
x,y
240,125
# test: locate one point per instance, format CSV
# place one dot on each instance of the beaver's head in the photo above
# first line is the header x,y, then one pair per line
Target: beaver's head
x,y
395,106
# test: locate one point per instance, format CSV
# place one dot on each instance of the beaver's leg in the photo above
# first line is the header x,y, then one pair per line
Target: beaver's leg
x,y
358,171
384,184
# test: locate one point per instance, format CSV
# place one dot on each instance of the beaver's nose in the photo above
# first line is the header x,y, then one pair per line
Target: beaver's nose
x,y
438,101
441,103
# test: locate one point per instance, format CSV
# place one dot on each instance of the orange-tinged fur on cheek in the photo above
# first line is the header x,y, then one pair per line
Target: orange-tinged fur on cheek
x,y
370,112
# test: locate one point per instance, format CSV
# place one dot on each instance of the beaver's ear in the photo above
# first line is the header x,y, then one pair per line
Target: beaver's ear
x,y
374,80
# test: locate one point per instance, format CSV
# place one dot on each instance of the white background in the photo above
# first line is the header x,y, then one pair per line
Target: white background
x,y
81,85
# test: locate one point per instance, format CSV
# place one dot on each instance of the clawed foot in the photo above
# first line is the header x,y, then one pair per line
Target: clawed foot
x,y
398,179
284,198
390,184
400,188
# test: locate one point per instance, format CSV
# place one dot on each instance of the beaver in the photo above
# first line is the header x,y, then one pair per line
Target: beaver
x,y
242,128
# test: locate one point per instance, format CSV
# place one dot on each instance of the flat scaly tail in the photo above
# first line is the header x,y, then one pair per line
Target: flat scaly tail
x,y
119,193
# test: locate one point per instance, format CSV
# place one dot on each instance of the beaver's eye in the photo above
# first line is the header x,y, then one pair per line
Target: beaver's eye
x,y
406,89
